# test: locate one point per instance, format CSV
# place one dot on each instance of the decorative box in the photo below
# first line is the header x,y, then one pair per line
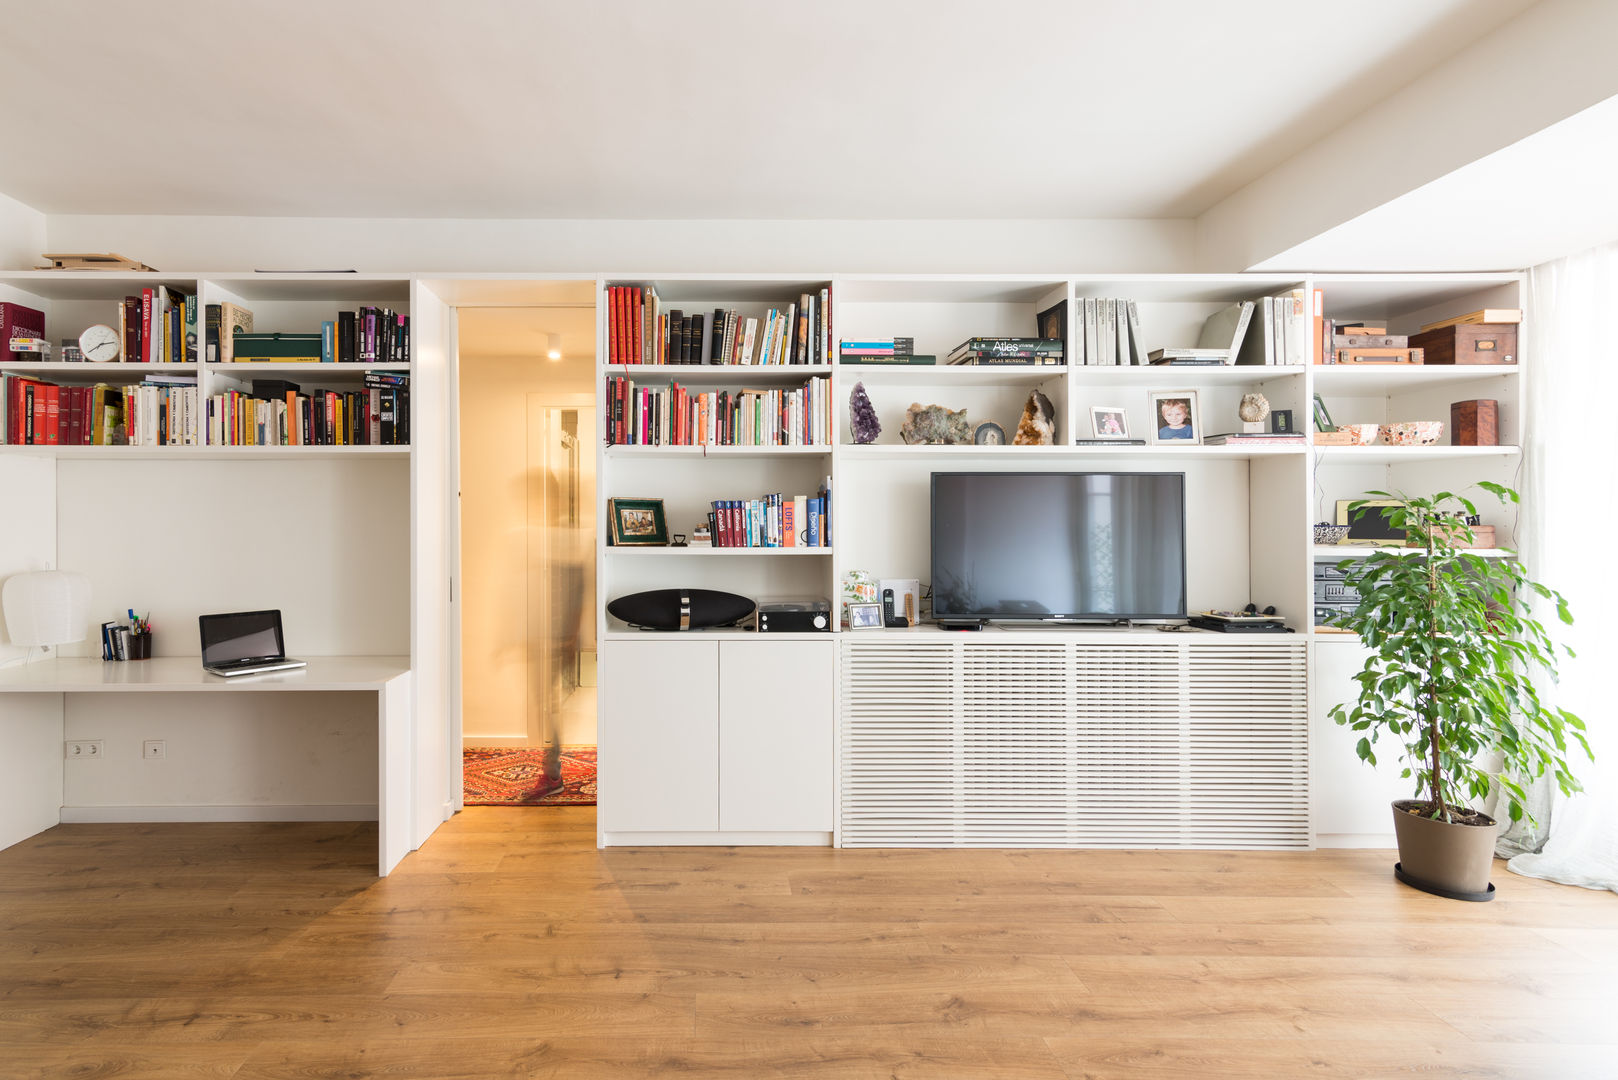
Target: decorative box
x,y
1413,433
1474,423
1469,343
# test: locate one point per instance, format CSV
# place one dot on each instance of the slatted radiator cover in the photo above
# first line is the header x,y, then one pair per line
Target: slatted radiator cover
x,y
1194,742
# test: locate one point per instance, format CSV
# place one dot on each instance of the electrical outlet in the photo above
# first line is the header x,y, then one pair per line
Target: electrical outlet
x,y
153,749
82,748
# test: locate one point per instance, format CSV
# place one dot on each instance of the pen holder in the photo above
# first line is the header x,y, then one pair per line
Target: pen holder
x,y
140,646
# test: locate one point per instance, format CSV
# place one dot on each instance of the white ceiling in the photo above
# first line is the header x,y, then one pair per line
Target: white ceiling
x,y
697,109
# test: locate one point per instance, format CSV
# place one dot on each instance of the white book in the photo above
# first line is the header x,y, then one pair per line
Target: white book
x,y
1256,345
1121,329
1089,334
749,337
1225,328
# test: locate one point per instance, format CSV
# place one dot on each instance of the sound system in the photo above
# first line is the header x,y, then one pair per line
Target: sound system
x,y
680,609
794,617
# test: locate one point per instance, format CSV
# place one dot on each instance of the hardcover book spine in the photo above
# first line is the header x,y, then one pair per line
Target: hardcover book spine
x,y
146,326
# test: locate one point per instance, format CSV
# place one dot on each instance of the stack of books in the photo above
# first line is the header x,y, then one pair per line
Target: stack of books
x,y
894,350
672,415
370,335
156,327
771,522
1257,438
163,410
641,331
1108,333
1009,351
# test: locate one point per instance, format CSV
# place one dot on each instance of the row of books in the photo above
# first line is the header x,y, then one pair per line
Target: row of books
x,y
39,413
1271,330
1107,333
773,521
155,327
641,331
674,416
370,335
378,415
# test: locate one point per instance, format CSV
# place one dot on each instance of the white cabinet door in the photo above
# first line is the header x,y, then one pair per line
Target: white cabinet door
x,y
659,738
776,733
1350,797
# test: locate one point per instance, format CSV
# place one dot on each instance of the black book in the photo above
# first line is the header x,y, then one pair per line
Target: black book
x,y
717,330
345,337
273,389
211,332
671,341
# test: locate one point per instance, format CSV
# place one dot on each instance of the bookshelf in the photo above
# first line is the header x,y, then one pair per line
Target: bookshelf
x,y
349,541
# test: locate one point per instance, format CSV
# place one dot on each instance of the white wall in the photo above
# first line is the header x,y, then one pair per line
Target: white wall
x,y
22,234
292,757
466,245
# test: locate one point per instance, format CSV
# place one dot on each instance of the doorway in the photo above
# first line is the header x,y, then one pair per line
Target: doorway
x,y
528,544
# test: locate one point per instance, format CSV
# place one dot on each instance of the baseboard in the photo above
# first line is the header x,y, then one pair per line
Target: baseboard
x,y
102,815
716,839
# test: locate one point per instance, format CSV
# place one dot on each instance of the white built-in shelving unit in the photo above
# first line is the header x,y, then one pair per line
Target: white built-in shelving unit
x,y
1249,508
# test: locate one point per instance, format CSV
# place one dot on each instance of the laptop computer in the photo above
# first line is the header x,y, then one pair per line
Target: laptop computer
x,y
244,643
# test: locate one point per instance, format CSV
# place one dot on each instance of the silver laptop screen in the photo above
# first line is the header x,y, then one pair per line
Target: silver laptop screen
x,y
245,635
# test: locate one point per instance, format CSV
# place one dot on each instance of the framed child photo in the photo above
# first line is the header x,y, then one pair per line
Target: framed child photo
x,y
1109,422
1175,418
637,522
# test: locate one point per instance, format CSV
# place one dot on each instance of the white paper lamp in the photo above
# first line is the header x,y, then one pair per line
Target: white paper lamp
x,y
50,607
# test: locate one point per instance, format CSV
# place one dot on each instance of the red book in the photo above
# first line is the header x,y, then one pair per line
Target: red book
x,y
52,418
637,314
75,415
18,321
615,330
146,298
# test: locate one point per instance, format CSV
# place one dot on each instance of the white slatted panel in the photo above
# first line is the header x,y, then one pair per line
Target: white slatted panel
x,y
1248,759
1028,743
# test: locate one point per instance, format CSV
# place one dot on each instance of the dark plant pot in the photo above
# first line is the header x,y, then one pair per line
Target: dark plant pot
x,y
1442,858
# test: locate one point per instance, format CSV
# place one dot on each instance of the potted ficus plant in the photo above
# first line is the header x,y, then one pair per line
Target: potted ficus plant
x,y
1456,655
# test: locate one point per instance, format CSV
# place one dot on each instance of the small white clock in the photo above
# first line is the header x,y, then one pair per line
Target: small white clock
x,y
99,343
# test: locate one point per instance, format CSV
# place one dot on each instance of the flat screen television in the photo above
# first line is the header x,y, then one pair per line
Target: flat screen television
x,y
1083,547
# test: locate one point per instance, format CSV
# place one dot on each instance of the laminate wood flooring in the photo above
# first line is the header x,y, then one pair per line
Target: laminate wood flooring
x,y
510,947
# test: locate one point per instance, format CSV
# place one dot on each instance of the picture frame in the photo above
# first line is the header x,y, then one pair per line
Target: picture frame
x,y
865,616
1181,406
1322,417
1052,322
637,523
1367,527
1109,422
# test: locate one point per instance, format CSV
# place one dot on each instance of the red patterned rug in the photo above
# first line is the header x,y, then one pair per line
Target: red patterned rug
x,y
507,776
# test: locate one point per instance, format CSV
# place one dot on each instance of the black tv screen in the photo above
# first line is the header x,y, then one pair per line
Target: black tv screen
x,y
1082,546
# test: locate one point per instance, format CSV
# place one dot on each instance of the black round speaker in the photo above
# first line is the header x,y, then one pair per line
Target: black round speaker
x,y
680,609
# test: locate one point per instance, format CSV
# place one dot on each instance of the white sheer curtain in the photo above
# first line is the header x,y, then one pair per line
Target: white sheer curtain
x,y
1571,484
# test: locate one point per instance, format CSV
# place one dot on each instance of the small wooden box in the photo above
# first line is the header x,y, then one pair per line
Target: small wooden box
x,y
1469,343
1474,423
1335,438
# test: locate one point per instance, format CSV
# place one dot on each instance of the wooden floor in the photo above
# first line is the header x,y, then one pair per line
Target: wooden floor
x,y
509,946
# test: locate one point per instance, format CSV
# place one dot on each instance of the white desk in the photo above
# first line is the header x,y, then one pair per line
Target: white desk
x,y
388,677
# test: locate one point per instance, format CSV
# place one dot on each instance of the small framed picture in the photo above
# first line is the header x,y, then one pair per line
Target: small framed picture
x,y
638,522
1109,422
1053,321
865,616
1175,418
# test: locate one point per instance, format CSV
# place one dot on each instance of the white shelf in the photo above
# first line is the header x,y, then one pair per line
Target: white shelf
x,y
713,551
950,374
1387,378
98,372
900,452
1184,374
716,451
1359,551
1396,455
314,371
203,453
717,374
